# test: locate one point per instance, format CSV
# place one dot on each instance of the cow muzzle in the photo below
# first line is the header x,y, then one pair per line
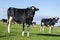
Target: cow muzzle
x,y
37,9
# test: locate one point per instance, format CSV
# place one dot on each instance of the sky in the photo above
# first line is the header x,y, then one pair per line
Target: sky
x,y
47,8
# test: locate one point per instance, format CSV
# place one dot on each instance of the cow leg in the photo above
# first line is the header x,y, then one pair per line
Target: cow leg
x,y
50,29
9,22
23,30
42,28
28,28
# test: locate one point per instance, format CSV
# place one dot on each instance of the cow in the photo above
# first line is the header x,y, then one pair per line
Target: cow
x,y
34,23
4,20
48,22
23,16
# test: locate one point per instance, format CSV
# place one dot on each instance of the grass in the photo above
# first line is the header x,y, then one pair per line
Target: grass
x,y
35,34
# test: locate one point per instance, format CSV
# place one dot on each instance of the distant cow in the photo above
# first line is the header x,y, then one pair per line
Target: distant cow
x,y
4,20
33,23
48,22
21,16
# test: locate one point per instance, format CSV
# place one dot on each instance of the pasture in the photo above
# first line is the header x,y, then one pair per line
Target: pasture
x,y
35,33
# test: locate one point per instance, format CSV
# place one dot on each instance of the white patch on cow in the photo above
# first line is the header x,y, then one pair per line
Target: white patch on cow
x,y
8,28
28,34
42,23
32,8
23,33
9,24
10,18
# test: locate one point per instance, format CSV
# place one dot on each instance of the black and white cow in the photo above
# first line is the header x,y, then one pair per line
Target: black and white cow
x,y
4,20
21,16
50,22
33,23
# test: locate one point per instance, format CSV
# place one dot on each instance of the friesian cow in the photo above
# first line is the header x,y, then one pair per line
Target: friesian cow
x,y
4,20
33,23
21,16
50,22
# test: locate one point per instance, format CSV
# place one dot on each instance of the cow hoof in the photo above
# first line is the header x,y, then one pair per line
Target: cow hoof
x,y
23,33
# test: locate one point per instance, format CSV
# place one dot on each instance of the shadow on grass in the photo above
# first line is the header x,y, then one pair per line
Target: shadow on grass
x,y
53,35
5,36
8,34
12,34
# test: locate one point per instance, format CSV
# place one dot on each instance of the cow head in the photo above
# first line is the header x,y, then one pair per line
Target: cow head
x,y
55,19
31,11
34,8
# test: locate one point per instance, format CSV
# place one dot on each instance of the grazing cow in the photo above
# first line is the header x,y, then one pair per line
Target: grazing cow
x,y
21,16
33,23
48,22
4,20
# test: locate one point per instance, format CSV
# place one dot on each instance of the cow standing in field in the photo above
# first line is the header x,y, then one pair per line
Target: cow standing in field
x,y
33,23
50,22
21,16
4,20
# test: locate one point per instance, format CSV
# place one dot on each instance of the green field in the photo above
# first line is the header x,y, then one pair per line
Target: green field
x,y
35,34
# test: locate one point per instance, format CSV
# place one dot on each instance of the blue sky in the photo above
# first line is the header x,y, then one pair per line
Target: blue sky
x,y
47,8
